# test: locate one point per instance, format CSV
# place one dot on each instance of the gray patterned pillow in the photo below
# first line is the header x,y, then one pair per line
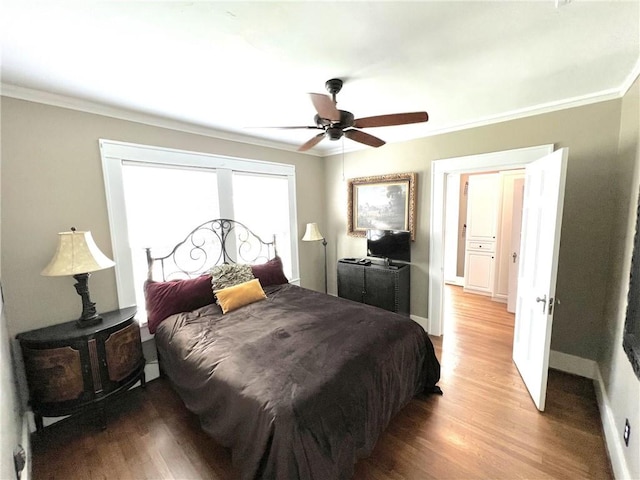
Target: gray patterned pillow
x,y
223,276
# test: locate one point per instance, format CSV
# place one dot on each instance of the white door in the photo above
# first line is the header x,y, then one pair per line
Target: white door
x,y
541,222
514,254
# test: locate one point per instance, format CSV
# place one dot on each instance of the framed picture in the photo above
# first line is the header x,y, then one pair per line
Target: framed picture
x,y
383,202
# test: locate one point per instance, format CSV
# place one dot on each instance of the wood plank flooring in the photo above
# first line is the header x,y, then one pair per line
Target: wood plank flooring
x,y
484,426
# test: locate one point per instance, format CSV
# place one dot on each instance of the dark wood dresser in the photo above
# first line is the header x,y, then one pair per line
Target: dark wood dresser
x,y
71,369
382,286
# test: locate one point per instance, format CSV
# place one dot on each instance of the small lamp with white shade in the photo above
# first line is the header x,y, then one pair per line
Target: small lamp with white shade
x,y
77,254
312,234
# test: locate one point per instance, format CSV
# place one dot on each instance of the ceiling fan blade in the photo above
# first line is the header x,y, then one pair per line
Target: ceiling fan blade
x,y
311,143
390,120
325,107
363,137
292,127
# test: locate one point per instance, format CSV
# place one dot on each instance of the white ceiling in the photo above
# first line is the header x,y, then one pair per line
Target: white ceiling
x,y
224,67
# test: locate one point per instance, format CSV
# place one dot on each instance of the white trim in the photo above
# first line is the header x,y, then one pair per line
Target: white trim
x,y
585,367
114,190
612,437
26,444
564,362
63,101
626,85
151,372
46,421
145,334
114,154
574,102
423,322
171,156
499,297
77,104
504,160
458,281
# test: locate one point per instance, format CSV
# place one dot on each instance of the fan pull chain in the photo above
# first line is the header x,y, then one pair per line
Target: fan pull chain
x,y
343,179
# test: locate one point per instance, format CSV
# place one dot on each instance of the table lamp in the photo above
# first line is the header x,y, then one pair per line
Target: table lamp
x,y
78,255
312,234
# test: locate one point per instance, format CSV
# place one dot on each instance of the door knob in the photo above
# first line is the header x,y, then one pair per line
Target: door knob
x,y
544,302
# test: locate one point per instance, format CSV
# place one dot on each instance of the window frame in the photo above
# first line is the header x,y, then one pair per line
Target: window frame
x,y
114,154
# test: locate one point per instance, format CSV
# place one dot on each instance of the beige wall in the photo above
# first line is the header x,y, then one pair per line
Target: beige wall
x,y
622,388
590,132
52,180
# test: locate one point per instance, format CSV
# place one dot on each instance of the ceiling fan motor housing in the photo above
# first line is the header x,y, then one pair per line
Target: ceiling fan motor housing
x,y
337,123
334,133
346,120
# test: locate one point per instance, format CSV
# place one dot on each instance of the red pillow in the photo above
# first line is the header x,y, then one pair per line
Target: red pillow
x,y
270,273
164,299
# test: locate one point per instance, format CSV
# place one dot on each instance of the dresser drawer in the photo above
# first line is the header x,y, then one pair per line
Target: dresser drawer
x,y
482,246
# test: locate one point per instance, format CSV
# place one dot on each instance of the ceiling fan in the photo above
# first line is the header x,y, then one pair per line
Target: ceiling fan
x,y
335,123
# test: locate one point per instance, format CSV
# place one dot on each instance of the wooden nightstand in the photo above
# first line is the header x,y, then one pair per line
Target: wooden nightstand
x,y
70,369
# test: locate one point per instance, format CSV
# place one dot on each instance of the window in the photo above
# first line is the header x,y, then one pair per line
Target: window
x,y
261,202
159,202
156,196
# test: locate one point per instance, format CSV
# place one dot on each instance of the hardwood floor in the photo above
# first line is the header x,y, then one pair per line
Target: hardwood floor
x,y
484,426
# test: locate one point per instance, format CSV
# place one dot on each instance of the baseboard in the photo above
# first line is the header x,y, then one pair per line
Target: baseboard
x,y
423,322
151,372
26,444
46,421
564,362
476,292
612,437
500,298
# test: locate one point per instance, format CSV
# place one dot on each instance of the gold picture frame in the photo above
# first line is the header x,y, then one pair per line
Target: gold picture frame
x,y
384,202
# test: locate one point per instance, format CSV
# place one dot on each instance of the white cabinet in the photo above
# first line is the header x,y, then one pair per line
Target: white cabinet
x,y
482,210
480,268
484,193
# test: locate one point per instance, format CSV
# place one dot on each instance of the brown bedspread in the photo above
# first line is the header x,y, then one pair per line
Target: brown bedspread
x,y
299,385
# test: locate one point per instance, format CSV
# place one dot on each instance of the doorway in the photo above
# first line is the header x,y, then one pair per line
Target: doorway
x,y
483,219
505,160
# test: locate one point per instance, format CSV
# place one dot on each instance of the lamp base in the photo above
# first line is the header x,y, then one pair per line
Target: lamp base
x,y
89,321
89,315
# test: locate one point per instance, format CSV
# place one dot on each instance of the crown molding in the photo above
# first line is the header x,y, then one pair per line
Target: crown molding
x,y
72,103
603,96
22,93
631,78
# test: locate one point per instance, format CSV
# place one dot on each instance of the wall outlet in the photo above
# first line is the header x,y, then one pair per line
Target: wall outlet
x,y
627,431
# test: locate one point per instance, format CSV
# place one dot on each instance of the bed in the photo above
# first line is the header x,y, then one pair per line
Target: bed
x,y
298,384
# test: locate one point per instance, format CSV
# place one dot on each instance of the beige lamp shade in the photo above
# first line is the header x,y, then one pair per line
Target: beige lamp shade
x,y
76,253
312,234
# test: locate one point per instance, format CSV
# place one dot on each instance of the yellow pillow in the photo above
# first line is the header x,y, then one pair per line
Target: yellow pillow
x,y
231,298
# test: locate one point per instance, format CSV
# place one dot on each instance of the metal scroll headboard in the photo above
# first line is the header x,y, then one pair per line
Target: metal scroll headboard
x,y
212,243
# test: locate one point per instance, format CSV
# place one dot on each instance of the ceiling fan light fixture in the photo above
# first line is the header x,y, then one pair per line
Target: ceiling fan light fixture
x,y
340,123
334,133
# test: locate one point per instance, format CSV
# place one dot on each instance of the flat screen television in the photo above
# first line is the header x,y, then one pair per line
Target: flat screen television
x,y
391,244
